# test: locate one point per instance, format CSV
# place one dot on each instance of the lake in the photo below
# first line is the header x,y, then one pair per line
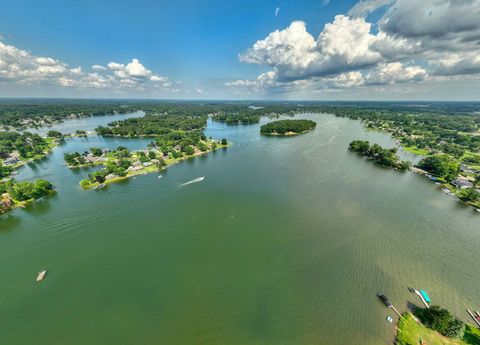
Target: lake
x,y
285,241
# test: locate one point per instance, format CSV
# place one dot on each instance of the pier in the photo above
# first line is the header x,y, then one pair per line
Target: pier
x,y
473,317
396,311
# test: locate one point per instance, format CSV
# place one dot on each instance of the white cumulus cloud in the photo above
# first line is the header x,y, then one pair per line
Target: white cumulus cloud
x,y
412,41
20,66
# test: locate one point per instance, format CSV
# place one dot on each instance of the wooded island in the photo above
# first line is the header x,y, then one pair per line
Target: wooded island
x,y
287,127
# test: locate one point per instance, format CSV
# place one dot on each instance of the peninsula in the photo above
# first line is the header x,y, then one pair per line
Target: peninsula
x,y
19,194
176,137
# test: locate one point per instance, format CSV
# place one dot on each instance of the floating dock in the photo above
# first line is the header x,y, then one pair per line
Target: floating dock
x,y
473,317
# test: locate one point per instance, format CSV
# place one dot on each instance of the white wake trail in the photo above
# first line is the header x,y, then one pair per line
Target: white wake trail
x,y
198,179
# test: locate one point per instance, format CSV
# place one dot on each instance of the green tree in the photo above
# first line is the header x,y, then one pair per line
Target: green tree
x,y
177,154
404,165
143,157
22,191
96,151
441,166
97,176
189,150
469,195
152,155
4,171
443,321
360,146
54,134
41,188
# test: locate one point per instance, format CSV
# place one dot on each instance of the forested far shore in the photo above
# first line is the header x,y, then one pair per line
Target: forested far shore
x,y
151,125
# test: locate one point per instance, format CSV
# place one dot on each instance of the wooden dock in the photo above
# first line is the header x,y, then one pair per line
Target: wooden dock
x,y
473,317
396,311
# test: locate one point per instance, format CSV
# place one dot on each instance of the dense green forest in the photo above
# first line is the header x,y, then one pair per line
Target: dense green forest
x,y
286,127
382,156
42,114
440,166
23,191
153,125
244,118
434,132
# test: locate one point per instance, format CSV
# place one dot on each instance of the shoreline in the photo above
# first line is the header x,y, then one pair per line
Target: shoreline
x,y
52,144
23,204
453,191
144,170
286,134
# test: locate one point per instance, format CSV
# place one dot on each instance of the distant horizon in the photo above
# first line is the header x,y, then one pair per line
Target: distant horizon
x,y
241,100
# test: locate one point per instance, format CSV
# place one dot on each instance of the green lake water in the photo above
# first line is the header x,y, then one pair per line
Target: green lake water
x,y
285,241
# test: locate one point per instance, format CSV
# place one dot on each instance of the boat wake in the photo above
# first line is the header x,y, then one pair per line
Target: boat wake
x,y
198,179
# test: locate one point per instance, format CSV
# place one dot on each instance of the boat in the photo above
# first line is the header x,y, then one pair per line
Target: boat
x,y
41,275
384,300
425,296
389,319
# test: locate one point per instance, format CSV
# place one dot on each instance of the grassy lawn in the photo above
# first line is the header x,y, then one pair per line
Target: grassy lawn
x,y
416,150
410,332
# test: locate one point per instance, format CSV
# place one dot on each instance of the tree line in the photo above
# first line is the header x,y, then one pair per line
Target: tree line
x,y
382,156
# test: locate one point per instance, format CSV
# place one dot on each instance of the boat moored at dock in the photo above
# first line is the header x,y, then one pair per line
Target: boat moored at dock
x,y
384,300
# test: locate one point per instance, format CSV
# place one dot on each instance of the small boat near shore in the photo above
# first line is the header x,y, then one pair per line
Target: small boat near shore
x,y
41,275
422,294
425,296
384,300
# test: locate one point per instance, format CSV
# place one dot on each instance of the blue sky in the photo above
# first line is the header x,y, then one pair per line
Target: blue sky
x,y
193,48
